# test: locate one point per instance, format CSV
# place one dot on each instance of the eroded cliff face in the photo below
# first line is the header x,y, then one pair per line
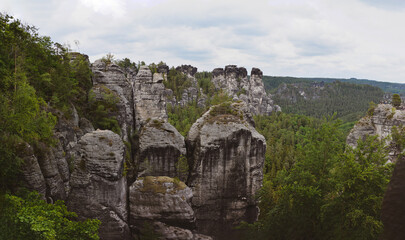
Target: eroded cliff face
x,y
385,116
98,187
160,148
94,172
149,97
111,79
226,157
235,82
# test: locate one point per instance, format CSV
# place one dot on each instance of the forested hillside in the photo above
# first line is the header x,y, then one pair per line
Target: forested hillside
x,y
349,101
315,187
36,75
272,82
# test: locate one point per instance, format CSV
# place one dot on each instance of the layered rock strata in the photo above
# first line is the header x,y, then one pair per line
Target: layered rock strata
x,y
226,157
160,148
384,117
111,79
163,203
235,82
150,100
98,187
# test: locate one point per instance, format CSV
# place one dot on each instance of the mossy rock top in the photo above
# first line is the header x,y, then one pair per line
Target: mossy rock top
x,y
161,184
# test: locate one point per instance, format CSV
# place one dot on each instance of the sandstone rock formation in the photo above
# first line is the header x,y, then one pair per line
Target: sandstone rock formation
x,y
98,187
111,79
160,148
380,124
163,203
236,83
393,211
150,101
31,171
226,157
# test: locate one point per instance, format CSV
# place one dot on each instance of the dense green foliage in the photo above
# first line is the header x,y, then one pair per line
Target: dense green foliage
x,y
177,82
396,100
349,101
272,82
36,75
183,117
101,112
31,218
316,187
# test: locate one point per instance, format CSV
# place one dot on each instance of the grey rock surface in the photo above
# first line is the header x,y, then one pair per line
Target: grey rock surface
x,y
235,82
149,97
380,124
98,187
175,233
111,77
31,172
226,157
162,199
160,148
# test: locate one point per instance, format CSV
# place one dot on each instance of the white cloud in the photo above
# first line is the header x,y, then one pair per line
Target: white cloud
x,y
325,38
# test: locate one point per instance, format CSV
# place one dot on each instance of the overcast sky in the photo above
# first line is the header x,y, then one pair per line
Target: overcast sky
x,y
302,38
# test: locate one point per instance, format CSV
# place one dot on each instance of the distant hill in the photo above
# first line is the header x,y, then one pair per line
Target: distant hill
x,y
272,82
318,99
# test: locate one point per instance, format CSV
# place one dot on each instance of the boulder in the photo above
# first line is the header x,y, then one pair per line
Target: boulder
x,y
161,199
98,187
226,156
161,146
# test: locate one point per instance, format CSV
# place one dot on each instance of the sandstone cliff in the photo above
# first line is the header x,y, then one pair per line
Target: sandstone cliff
x,y
384,117
136,178
226,157
236,83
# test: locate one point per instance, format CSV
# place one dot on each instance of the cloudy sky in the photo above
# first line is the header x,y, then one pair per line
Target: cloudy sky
x,y
303,38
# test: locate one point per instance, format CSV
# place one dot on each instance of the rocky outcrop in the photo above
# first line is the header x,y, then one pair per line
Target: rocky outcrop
x,y
150,100
235,82
164,204
160,149
187,69
392,210
31,171
110,79
384,117
98,187
226,157
191,94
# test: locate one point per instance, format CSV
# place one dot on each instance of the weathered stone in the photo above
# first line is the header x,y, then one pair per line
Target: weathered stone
x,y
393,211
175,233
226,157
149,97
55,188
31,171
161,199
163,69
111,77
98,187
187,69
160,148
235,82
380,124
